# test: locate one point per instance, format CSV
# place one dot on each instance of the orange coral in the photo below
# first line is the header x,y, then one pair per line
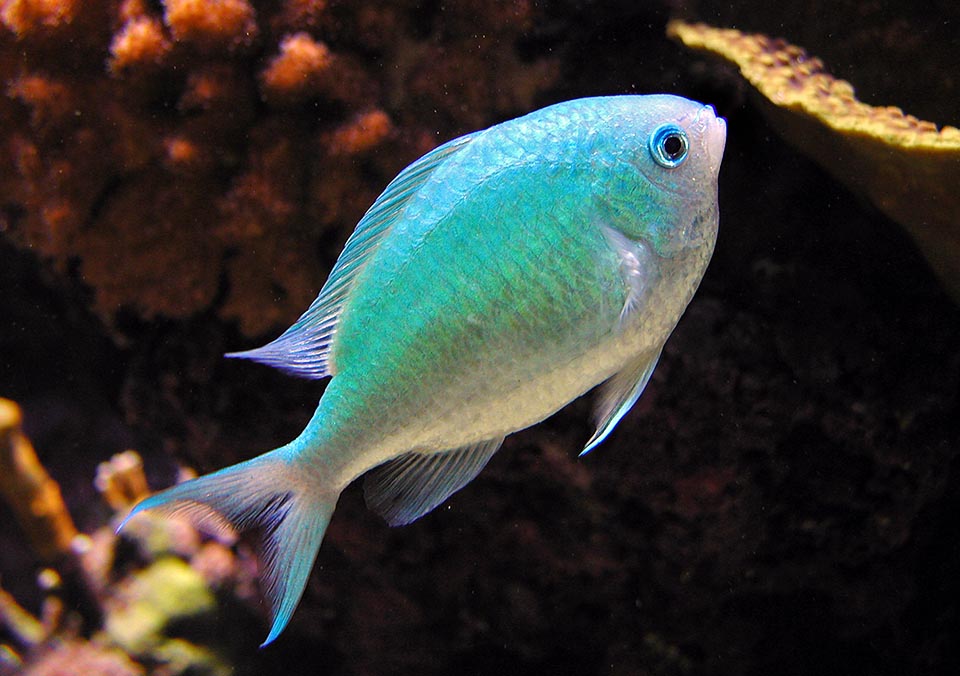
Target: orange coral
x,y
27,628
364,132
33,495
132,9
303,13
48,100
299,70
184,156
25,16
212,23
162,181
121,480
258,214
141,42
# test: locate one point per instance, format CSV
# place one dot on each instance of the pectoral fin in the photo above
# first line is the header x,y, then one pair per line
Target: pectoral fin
x,y
618,395
405,488
638,269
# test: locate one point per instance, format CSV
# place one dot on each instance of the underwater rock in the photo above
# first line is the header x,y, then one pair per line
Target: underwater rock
x,y
908,168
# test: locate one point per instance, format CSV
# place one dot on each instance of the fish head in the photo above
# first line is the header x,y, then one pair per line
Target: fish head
x,y
674,147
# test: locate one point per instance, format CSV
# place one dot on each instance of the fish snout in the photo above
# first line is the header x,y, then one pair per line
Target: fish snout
x,y
714,136
709,132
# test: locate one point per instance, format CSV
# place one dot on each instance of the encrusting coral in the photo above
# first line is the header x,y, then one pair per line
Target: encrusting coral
x,y
195,155
908,168
176,574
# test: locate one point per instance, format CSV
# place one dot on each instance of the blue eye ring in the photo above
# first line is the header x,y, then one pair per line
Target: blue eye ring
x,y
669,145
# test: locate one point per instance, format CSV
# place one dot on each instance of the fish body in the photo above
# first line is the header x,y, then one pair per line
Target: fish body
x,y
496,279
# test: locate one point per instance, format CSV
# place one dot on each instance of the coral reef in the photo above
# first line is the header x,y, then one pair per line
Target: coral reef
x,y
908,167
175,576
211,158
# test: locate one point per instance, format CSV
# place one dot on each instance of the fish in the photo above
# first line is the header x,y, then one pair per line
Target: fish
x,y
497,278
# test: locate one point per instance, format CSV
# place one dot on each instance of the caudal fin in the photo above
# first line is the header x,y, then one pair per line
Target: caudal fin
x,y
270,493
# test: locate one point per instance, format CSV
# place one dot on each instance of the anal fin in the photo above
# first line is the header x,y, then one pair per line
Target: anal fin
x,y
405,488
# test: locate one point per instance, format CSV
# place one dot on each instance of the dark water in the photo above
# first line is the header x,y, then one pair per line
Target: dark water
x,y
784,497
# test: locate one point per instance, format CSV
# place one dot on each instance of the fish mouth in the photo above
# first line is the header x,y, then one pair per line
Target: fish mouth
x,y
714,135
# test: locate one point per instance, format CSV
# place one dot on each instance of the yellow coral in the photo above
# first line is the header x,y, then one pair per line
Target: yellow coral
x,y
33,495
121,480
907,167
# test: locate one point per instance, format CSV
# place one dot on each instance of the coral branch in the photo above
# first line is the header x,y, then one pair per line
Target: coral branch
x,y
212,23
140,43
33,495
24,626
135,139
121,480
25,16
299,71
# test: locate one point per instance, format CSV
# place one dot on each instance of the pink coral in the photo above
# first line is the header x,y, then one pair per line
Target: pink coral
x,y
80,657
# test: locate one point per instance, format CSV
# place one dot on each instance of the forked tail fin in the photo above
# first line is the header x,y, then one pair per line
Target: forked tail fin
x,y
272,494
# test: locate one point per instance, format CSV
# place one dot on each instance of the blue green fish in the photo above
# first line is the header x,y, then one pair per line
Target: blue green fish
x,y
496,278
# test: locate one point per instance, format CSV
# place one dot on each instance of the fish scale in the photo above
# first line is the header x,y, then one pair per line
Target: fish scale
x,y
497,278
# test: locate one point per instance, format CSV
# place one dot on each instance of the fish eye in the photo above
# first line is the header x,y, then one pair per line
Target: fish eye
x,y
669,145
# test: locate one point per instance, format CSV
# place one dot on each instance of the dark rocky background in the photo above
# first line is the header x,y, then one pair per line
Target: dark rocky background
x,y
783,499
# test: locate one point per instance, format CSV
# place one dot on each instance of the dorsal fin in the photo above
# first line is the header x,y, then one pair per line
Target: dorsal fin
x,y
405,488
304,348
